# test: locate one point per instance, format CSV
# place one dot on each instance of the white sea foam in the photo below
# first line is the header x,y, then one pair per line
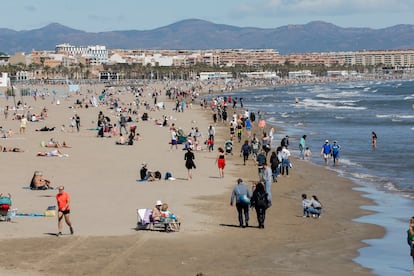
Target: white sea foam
x,y
310,103
339,95
394,116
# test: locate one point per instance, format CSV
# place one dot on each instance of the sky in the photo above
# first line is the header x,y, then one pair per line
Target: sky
x,y
100,16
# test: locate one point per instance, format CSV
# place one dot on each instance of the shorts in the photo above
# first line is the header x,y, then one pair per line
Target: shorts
x,y
173,142
65,212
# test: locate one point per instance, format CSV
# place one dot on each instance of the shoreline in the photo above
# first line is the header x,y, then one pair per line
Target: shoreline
x,y
209,214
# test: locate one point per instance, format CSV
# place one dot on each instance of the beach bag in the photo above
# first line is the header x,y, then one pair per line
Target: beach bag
x,y
167,175
242,198
157,175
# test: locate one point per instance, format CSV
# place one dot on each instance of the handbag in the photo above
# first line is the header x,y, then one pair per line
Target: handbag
x,y
243,198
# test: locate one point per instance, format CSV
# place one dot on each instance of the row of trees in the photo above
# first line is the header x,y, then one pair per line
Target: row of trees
x,y
138,71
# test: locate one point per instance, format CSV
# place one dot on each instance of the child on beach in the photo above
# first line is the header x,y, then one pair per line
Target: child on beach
x,y
308,153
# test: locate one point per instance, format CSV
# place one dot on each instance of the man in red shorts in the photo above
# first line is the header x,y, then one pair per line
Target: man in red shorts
x,y
63,200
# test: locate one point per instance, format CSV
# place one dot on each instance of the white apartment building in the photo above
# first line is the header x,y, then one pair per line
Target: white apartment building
x,y
96,55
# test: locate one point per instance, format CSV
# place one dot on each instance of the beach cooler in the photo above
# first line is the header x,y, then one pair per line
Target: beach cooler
x,y
5,205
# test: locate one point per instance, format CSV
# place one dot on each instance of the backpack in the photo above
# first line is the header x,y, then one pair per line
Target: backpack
x,y
261,200
157,175
167,175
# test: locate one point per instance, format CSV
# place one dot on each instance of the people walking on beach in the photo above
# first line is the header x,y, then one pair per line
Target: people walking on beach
x,y
268,180
275,164
248,127
336,148
266,143
410,238
241,195
255,146
260,160
374,140
285,142
221,161
260,202
302,147
23,124
63,202
122,124
285,155
245,151
189,162
173,135
77,120
211,132
326,151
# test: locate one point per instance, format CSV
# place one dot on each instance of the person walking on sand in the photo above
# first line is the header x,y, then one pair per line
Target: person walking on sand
x,y
63,202
268,180
23,124
189,162
77,120
221,161
245,151
241,194
260,202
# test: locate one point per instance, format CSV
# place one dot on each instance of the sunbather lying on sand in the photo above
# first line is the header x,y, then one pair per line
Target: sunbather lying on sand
x,y
53,153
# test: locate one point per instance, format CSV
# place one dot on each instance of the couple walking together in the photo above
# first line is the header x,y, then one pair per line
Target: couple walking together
x,y
244,198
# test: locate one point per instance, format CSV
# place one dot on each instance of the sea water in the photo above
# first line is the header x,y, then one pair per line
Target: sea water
x,y
348,112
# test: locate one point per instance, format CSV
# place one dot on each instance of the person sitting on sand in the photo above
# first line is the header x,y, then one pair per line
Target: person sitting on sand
x,y
10,149
39,182
154,176
121,140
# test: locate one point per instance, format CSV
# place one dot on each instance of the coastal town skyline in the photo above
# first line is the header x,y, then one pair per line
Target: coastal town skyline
x,y
92,16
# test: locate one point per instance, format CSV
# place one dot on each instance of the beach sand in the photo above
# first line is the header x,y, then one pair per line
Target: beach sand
x,y
101,179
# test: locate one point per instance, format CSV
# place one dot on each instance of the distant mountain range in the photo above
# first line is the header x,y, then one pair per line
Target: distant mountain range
x,y
192,34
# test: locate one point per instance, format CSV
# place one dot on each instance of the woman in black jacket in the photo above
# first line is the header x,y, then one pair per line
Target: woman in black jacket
x,y
260,202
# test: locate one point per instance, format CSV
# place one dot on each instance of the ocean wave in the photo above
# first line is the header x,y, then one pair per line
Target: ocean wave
x,y
394,116
309,103
339,95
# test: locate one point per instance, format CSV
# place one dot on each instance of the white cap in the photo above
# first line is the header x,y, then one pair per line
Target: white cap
x,y
326,141
159,202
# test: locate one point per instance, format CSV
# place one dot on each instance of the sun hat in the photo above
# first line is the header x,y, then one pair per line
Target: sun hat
x,y
144,164
158,203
